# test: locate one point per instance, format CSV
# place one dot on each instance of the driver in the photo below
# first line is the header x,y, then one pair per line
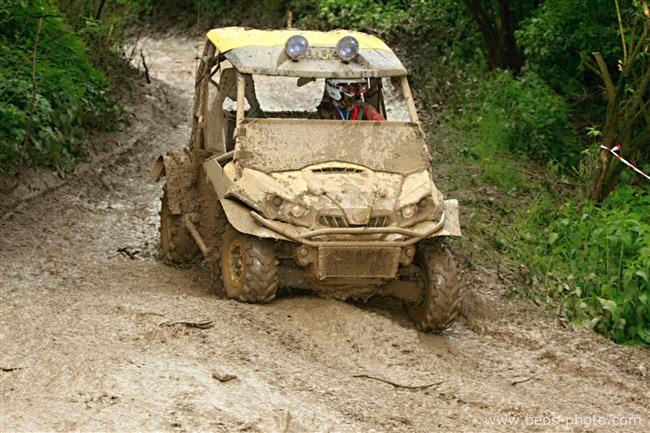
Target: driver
x,y
345,101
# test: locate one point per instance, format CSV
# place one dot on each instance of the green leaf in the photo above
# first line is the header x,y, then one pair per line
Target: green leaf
x,y
610,306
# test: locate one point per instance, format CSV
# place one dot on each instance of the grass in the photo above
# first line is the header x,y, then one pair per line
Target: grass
x,y
589,263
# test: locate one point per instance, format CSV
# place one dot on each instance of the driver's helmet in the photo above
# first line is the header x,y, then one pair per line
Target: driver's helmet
x,y
351,87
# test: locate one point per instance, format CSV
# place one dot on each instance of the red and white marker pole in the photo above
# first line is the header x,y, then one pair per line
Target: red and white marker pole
x,y
617,148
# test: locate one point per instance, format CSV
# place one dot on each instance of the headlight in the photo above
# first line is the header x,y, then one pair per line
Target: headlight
x,y
297,211
347,48
272,204
408,211
277,201
424,210
296,47
281,209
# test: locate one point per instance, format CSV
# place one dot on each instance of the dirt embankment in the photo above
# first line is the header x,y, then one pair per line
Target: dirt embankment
x,y
85,347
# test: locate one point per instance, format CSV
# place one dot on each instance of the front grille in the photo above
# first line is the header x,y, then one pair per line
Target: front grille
x,y
333,221
338,222
382,221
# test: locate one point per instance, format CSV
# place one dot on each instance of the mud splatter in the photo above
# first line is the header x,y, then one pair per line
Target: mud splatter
x,y
82,323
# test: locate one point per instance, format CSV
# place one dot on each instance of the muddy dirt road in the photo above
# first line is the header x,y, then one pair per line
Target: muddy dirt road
x,y
83,297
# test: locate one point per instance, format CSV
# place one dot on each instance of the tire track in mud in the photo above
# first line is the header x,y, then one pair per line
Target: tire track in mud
x,y
82,296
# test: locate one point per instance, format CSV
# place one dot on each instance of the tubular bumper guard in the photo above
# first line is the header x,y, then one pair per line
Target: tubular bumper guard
x,y
307,238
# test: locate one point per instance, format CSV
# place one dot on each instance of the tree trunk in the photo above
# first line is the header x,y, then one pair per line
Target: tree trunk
x,y
100,9
627,121
498,34
511,51
609,168
607,177
624,116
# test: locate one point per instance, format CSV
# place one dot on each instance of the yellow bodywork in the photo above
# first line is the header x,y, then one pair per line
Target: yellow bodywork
x,y
229,38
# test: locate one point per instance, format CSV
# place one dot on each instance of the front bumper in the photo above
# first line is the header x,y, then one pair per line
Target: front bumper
x,y
346,255
319,237
251,222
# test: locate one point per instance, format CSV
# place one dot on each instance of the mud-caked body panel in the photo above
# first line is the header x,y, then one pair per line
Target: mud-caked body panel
x,y
352,220
277,145
177,167
340,207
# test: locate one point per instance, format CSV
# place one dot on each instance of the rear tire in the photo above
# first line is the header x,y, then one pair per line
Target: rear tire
x,y
176,243
441,288
249,268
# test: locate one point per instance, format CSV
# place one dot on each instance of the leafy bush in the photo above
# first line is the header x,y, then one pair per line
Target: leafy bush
x,y
213,13
364,15
71,94
530,119
553,38
595,260
481,147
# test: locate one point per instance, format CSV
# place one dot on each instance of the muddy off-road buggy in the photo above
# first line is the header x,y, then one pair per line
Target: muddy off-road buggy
x,y
278,198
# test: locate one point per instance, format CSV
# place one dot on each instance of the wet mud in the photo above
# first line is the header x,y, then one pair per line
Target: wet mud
x,y
97,334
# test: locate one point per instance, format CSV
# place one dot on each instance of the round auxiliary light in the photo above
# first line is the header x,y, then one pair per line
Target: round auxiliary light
x,y
298,211
296,46
277,201
347,48
408,211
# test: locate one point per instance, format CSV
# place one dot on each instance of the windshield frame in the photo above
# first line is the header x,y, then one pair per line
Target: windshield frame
x,y
403,86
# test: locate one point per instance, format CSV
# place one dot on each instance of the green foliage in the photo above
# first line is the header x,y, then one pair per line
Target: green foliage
x,y
524,116
479,147
594,260
364,15
560,30
71,94
440,31
435,38
214,13
104,36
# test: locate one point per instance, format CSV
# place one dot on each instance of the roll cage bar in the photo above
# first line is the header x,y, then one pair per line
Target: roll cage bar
x,y
203,131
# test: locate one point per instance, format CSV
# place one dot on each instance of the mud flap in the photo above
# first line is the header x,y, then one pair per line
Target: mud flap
x,y
176,167
452,221
158,169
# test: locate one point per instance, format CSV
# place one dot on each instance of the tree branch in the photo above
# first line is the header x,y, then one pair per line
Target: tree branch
x,y
146,69
605,76
622,30
585,61
398,385
635,49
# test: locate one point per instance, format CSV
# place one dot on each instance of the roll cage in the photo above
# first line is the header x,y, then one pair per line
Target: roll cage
x,y
215,128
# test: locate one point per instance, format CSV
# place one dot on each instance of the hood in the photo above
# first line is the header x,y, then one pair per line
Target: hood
x,y
335,194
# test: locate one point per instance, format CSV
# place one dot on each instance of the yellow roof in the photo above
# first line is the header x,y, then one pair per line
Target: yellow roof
x,y
228,38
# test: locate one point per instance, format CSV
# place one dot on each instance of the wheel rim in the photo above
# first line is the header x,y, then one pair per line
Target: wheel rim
x,y
235,266
417,312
